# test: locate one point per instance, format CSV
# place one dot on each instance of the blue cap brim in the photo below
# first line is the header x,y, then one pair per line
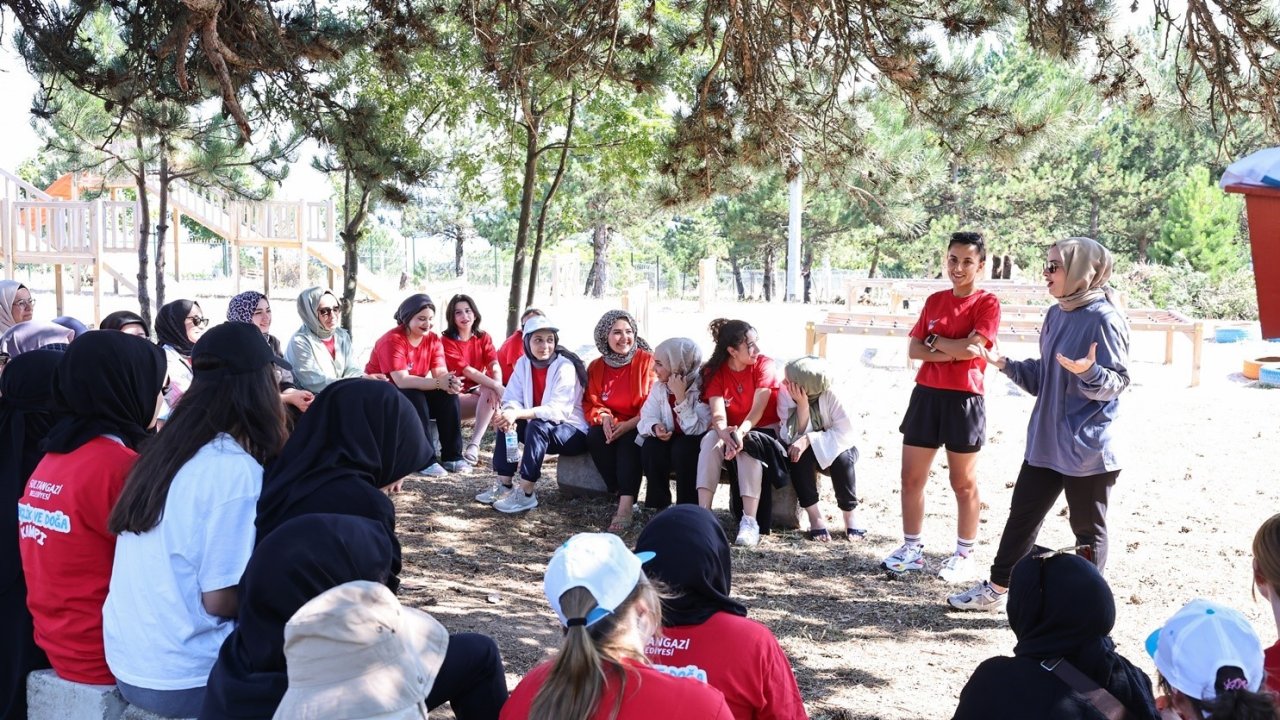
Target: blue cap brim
x,y
646,556
1152,641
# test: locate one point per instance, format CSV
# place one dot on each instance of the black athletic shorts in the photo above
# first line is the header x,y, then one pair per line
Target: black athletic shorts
x,y
953,418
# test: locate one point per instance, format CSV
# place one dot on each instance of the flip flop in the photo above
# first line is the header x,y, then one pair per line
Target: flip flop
x,y
472,453
819,535
619,525
855,533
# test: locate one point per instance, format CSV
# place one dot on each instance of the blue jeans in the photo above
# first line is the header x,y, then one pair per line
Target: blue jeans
x,y
541,438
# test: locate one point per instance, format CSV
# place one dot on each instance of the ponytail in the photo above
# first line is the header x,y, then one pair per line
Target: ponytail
x,y
1233,701
725,333
574,687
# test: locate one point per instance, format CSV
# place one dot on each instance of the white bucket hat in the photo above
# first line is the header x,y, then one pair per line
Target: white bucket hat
x,y
354,652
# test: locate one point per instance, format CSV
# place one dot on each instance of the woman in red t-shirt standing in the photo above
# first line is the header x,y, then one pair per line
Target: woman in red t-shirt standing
x,y
412,356
469,354
947,406
617,385
741,388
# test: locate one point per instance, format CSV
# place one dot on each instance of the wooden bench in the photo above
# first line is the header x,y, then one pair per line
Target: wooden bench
x,y
1017,323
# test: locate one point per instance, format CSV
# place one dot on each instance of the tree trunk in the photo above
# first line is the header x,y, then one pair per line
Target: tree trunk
x,y
737,277
144,237
163,225
767,282
459,245
546,202
597,277
522,227
1144,244
875,259
353,228
806,272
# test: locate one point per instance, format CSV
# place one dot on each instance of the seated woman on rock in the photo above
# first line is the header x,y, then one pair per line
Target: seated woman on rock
x,y
672,422
255,308
320,351
179,325
469,354
412,356
542,407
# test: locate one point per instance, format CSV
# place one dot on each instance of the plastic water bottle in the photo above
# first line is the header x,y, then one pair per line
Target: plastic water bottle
x,y
513,446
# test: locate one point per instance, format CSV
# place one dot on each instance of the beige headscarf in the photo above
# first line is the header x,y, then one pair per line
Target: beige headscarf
x,y
8,293
682,357
1088,267
813,374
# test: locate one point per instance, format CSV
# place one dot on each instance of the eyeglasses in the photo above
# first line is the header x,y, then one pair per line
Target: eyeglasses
x,y
25,304
199,321
327,311
1084,551
1052,267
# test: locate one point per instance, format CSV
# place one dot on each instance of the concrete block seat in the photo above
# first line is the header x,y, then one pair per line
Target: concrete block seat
x,y
577,476
50,697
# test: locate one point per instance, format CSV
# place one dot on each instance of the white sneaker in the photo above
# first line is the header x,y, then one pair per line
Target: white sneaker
x,y
748,532
979,597
433,470
494,493
958,569
516,501
456,466
906,558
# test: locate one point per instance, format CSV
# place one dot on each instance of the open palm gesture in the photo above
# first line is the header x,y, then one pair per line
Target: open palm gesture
x,y
1083,364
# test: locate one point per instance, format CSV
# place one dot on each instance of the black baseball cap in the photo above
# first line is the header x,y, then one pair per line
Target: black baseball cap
x,y
240,346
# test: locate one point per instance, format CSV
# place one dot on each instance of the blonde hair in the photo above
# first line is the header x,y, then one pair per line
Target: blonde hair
x,y
573,688
1266,554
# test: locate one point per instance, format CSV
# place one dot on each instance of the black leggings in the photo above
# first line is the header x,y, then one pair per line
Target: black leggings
x,y
618,461
471,679
1034,494
804,475
442,407
660,458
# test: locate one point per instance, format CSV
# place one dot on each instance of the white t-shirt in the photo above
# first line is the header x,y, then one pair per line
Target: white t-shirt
x,y
156,632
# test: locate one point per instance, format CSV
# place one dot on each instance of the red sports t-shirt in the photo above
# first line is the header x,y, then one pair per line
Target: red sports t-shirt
x,y
620,392
67,553
393,352
511,350
475,352
738,657
331,344
953,317
649,694
738,390
538,383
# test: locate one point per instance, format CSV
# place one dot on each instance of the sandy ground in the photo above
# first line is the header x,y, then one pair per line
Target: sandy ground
x,y
1199,476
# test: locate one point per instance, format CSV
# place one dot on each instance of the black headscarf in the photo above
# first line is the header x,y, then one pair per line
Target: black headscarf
x,y
120,318
107,383
301,559
411,306
691,557
1059,607
171,326
358,436
27,413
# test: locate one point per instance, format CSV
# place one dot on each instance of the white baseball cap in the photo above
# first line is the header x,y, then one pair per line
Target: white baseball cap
x,y
536,323
599,562
1201,639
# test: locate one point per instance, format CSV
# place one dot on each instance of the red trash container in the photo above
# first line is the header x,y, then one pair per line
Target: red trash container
x,y
1262,208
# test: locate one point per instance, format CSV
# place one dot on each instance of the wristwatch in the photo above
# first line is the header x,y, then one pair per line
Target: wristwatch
x,y
930,340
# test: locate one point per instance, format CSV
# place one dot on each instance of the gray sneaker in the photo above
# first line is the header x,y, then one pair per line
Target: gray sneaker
x,y
516,501
979,597
456,466
433,470
494,493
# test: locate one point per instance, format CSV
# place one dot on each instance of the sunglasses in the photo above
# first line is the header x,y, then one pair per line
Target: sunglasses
x,y
199,321
1052,267
328,311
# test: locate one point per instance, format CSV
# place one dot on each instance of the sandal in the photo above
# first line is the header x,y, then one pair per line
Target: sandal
x,y
855,533
819,535
619,525
472,453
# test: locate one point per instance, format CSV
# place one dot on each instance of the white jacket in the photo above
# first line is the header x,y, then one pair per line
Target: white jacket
x,y
561,400
313,368
827,444
695,415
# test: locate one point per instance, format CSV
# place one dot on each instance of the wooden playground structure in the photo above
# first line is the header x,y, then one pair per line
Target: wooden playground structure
x,y
1017,322
54,227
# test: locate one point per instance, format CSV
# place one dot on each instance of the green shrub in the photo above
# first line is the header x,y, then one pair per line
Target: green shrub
x,y
1190,292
